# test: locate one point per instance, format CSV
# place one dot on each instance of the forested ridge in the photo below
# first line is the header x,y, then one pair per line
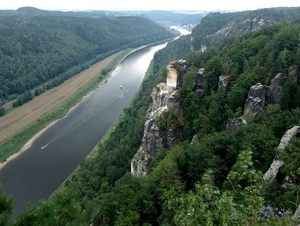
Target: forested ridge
x,y
49,49
217,178
215,26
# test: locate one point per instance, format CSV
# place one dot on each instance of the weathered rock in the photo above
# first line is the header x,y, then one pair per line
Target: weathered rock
x,y
199,89
224,82
233,124
139,164
156,138
195,139
275,88
270,175
180,73
255,102
257,23
163,97
243,25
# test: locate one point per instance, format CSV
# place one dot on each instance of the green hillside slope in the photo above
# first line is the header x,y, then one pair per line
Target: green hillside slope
x,y
212,176
36,50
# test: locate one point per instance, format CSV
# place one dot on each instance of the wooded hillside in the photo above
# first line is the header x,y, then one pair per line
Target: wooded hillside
x,y
213,179
48,50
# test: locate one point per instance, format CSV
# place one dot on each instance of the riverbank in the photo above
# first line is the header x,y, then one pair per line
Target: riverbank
x,y
95,151
25,135
22,127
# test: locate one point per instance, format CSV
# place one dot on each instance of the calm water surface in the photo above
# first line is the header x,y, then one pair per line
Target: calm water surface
x,y
39,171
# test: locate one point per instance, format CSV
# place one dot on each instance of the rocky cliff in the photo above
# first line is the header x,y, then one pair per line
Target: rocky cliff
x,y
244,25
277,163
156,138
260,96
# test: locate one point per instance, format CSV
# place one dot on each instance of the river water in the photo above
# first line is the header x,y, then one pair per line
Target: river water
x,y
55,154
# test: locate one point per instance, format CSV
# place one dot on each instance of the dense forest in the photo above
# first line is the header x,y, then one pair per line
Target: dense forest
x,y
215,179
40,52
26,12
215,26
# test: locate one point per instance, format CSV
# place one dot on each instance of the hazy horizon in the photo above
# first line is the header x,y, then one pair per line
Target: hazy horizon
x,y
134,5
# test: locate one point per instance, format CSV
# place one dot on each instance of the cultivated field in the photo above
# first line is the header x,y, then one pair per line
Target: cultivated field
x,y
28,113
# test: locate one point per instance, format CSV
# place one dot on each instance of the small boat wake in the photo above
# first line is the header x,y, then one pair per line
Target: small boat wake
x,y
45,145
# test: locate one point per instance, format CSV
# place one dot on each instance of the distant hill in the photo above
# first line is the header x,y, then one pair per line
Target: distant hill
x,y
158,16
216,26
32,11
172,17
34,50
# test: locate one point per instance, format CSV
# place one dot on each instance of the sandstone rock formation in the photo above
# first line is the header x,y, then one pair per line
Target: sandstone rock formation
x,y
224,82
156,138
275,88
277,163
259,97
255,102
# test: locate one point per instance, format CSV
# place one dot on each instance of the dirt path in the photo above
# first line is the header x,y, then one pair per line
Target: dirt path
x,y
25,115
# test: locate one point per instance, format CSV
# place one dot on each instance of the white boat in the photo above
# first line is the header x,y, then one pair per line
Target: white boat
x,y
121,87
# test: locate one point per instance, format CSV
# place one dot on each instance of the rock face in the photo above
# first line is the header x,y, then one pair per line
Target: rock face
x,y
224,82
257,23
244,25
233,124
255,102
275,88
156,138
199,82
259,96
183,69
277,163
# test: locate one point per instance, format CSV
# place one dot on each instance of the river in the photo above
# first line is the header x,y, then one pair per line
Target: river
x,y
56,153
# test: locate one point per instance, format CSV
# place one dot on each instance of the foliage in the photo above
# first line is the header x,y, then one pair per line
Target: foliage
x,y
2,111
42,52
6,208
209,31
60,210
216,178
209,206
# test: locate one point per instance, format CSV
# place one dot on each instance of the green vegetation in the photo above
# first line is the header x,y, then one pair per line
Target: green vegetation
x,y
215,180
206,33
38,53
14,144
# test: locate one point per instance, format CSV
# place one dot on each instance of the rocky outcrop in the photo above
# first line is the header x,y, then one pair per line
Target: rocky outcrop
x,y
233,124
156,138
275,88
260,96
180,72
244,25
277,163
257,23
255,102
224,82
200,80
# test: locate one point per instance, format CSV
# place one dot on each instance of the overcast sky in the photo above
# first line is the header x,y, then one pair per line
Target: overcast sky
x,y
207,5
